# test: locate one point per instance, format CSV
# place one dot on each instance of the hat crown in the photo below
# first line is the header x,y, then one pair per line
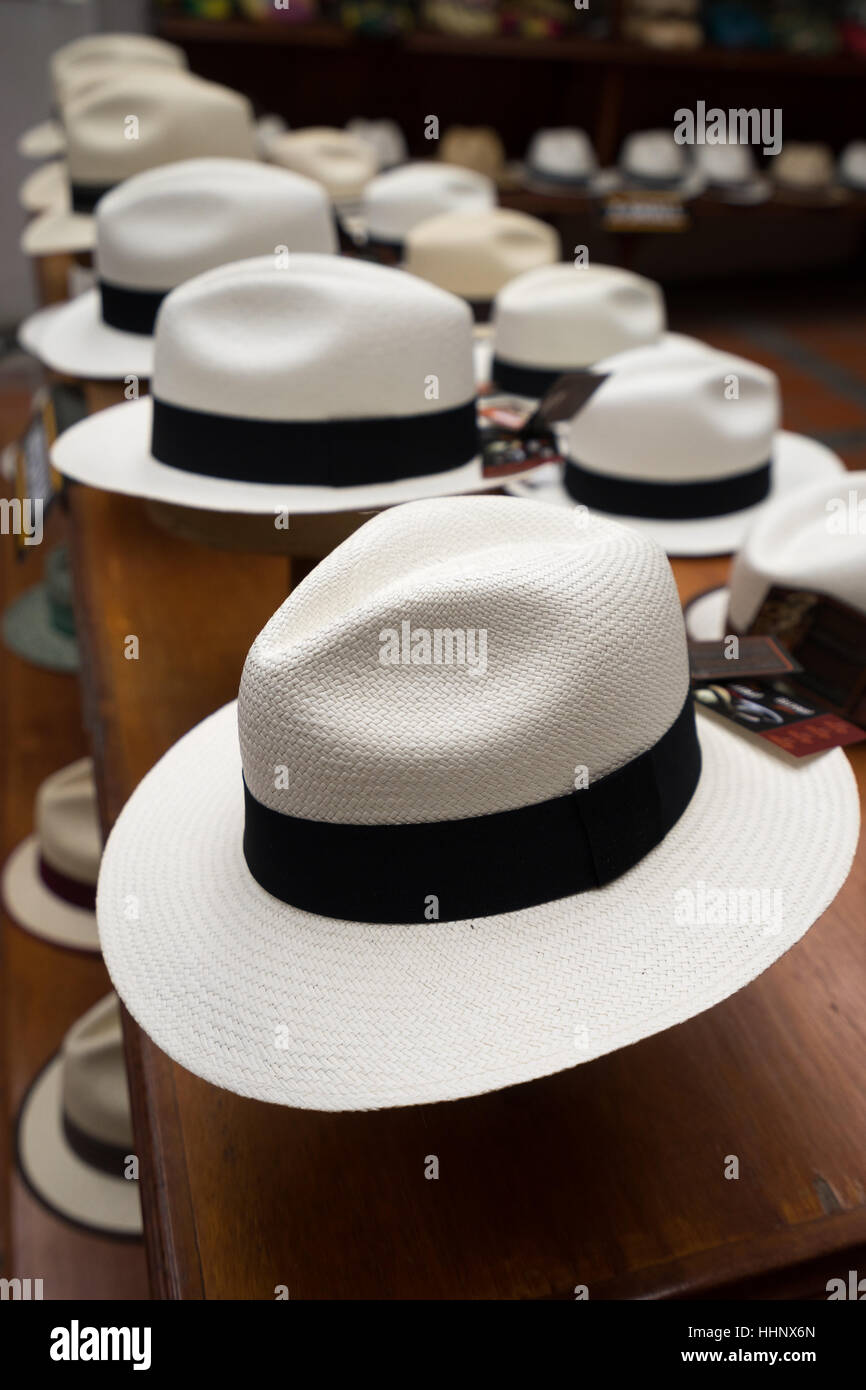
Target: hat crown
x,y
570,316
582,662
322,338
813,539
165,225
707,418
95,1090
396,201
802,162
566,150
653,154
67,822
384,137
107,50
476,253
342,162
726,162
178,116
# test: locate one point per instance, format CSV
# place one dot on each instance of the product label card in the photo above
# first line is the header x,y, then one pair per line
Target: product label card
x,y
791,723
732,658
827,638
644,210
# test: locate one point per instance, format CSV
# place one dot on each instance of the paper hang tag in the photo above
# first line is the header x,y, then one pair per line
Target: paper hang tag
x,y
828,640
517,433
644,210
738,658
759,708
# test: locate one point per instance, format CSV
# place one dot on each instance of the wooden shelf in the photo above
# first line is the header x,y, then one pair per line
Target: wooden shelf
x,y
573,50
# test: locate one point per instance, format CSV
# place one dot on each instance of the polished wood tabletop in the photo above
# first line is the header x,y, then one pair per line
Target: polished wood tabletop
x,y
610,1175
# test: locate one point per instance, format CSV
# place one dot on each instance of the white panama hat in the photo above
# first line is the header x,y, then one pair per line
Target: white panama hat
x,y
563,156
474,254
384,137
341,162
852,166
804,167
672,451
405,900
651,160
49,881
160,228
564,318
795,544
179,117
96,55
731,173
395,202
74,1135
276,388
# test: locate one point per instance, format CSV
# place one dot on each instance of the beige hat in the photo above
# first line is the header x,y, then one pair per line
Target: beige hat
x,y
474,147
341,162
75,1137
129,123
804,168
385,139
474,254
49,881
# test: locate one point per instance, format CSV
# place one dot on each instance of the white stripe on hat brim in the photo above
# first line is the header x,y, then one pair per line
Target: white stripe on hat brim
x,y
72,339
706,613
43,141
214,967
797,461
59,232
111,450
67,1185
31,904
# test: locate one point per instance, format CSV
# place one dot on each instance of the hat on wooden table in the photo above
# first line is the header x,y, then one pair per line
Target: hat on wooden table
x,y
687,451
49,881
396,201
327,385
160,228
74,1136
177,116
341,162
474,254
388,890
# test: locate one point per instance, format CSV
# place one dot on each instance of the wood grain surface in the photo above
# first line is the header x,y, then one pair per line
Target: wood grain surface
x,y
609,1175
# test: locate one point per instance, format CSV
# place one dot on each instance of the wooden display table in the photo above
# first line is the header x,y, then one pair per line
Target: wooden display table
x,y
609,1175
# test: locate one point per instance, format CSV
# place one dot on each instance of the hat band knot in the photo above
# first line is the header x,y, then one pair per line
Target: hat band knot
x,y
481,865
323,453
667,501
130,310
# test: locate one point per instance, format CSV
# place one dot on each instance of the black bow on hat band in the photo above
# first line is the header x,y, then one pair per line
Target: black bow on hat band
x,y
324,453
130,310
482,865
667,501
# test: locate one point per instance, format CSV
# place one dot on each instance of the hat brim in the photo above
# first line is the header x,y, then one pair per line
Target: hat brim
x,y
705,614
62,1181
46,188
111,450
72,339
43,141
797,461
213,967
59,232
613,180
29,632
754,190
32,905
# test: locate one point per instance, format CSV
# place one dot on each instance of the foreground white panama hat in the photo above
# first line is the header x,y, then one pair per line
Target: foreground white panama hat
x,y
384,137
49,881
160,228
652,160
96,55
474,254
731,173
563,318
672,451
341,162
395,202
179,117
75,1128
405,900
796,543
562,156
852,166
327,385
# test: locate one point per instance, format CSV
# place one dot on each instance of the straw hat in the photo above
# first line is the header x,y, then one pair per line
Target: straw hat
x,y
341,162
397,201
474,254
374,876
